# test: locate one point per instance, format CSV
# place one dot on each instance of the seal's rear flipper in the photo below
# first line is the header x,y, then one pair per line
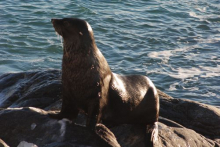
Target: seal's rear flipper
x,y
108,138
151,134
154,134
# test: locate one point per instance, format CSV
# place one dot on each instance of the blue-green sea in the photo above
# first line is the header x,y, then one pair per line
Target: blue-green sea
x,y
176,43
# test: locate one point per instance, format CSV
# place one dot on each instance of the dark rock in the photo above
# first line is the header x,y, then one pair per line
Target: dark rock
x,y
30,89
179,136
33,125
182,122
204,119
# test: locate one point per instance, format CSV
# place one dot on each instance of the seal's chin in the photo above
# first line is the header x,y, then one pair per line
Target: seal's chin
x,y
57,27
58,31
59,38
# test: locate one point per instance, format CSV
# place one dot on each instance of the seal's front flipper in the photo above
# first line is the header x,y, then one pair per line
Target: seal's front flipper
x,y
151,134
91,120
108,138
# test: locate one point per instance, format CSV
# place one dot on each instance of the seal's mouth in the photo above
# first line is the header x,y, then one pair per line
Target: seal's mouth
x,y
58,30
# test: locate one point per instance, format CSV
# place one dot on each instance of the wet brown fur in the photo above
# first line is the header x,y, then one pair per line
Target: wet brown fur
x,y
89,84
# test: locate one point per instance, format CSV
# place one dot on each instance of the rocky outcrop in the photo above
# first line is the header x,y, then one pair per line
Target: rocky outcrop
x,y
204,119
27,98
35,89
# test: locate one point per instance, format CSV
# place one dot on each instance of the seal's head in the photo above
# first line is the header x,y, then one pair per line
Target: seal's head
x,y
74,31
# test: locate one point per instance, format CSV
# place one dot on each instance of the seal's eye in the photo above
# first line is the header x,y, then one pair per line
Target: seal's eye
x,y
66,23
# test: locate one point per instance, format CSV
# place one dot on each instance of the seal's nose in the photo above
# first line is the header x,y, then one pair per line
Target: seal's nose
x,y
52,20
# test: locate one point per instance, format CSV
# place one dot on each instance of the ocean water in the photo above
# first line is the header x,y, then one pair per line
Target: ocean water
x,y
176,43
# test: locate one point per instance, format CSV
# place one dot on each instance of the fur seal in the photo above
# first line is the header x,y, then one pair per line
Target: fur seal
x,y
90,85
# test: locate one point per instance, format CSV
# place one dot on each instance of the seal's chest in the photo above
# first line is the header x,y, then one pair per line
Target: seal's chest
x,y
83,84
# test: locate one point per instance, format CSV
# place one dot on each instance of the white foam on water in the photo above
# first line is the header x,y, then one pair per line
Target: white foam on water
x,y
202,9
193,14
208,40
173,86
202,71
165,55
50,41
203,16
183,73
210,71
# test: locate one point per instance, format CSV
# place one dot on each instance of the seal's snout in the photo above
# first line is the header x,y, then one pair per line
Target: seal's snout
x,y
52,20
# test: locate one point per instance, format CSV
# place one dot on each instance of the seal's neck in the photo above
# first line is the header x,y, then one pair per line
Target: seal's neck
x,y
78,53
79,46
